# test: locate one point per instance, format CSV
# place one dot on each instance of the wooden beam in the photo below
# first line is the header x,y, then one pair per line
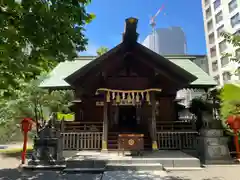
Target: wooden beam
x,y
154,128
105,126
99,76
158,71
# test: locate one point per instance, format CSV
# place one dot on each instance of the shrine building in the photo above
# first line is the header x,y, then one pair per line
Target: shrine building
x,y
128,90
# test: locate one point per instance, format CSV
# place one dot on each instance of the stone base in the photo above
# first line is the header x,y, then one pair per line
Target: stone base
x,y
219,162
104,150
46,163
213,148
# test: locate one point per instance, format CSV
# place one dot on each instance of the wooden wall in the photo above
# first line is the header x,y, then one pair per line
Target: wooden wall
x,y
92,113
166,109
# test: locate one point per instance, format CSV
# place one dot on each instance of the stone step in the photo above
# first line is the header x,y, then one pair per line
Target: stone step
x,y
95,164
183,168
134,167
133,161
176,162
166,162
84,170
44,167
180,162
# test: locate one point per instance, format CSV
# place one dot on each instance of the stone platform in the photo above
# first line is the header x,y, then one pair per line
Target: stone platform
x,y
111,161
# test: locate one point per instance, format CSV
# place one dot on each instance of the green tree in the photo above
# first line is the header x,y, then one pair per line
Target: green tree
x,y
230,93
102,50
234,40
36,35
30,101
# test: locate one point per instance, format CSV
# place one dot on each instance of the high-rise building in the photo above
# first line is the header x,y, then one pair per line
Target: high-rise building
x,y
221,16
167,41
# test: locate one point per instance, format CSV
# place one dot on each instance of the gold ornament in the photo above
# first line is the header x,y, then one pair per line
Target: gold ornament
x,y
108,96
104,145
118,98
131,142
129,98
154,145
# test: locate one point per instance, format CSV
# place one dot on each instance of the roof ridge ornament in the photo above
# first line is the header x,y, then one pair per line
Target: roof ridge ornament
x,y
130,34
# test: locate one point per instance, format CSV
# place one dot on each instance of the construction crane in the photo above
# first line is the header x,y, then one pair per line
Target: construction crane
x,y
152,20
153,25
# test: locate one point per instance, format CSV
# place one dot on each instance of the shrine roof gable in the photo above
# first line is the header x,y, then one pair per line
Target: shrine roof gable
x,y
56,78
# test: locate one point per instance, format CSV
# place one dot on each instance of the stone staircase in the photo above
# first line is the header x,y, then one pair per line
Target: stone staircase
x,y
150,161
112,165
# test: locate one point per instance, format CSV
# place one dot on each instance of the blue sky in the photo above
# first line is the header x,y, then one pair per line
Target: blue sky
x,y
106,28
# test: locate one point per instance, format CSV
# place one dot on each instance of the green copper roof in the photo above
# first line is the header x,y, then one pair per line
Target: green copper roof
x,y
64,69
188,65
61,71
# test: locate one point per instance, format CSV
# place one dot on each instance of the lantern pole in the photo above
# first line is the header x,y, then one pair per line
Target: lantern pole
x,y
25,138
236,143
26,127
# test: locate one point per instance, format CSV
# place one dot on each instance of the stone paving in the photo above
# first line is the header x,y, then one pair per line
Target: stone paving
x,y
14,174
227,172
216,173
9,171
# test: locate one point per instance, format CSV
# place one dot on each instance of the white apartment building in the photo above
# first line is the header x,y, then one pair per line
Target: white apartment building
x,y
219,16
167,41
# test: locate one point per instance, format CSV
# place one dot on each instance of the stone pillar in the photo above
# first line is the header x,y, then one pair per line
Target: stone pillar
x,y
59,146
153,123
212,144
105,126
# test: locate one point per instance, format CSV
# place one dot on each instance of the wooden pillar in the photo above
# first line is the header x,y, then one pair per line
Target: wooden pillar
x,y
105,126
154,129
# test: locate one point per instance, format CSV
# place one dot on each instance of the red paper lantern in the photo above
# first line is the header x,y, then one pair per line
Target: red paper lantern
x,y
234,123
230,120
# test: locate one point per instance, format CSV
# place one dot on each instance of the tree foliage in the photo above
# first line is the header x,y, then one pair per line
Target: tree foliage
x,y
102,50
36,35
230,93
230,96
230,99
31,101
234,40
